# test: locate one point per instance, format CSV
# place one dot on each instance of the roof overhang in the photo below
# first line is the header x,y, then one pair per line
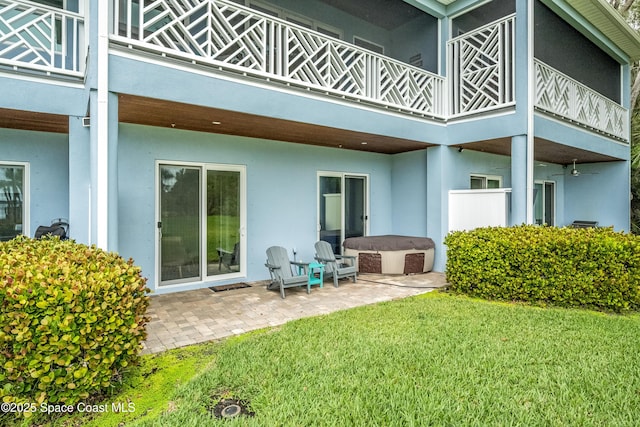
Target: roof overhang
x,y
597,13
610,23
544,151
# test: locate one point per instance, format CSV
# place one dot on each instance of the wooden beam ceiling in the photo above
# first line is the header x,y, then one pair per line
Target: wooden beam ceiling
x,y
153,112
28,120
166,114
544,151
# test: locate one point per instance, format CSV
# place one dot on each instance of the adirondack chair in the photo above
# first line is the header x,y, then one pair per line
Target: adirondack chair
x,y
282,275
334,264
229,259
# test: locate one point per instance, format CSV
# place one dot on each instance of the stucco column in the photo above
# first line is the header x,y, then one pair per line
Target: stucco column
x,y
79,181
104,172
441,168
518,180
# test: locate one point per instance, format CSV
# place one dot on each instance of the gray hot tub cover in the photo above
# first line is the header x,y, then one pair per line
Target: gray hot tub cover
x,y
388,243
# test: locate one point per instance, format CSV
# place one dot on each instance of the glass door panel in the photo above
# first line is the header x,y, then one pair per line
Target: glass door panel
x,y
355,216
544,203
342,208
223,222
538,206
549,203
11,201
179,223
330,211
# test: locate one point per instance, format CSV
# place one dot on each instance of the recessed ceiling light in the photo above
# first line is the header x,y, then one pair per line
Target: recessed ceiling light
x,y
364,143
215,122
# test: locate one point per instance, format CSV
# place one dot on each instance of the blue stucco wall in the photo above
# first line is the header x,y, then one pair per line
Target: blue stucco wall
x,y
600,193
417,36
409,193
48,158
281,189
32,95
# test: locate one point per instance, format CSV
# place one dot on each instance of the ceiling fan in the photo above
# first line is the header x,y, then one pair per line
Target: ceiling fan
x,y
575,171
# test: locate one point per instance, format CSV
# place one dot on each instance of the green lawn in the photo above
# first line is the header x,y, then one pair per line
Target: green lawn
x,y
222,231
430,360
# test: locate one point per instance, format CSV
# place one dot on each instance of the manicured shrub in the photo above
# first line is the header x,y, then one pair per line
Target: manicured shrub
x,y
590,267
72,319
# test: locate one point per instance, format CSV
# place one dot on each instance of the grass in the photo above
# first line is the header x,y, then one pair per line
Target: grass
x,y
222,231
430,360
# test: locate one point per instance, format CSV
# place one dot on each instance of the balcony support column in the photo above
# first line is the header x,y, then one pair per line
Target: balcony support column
x,y
441,164
519,180
103,107
79,181
104,170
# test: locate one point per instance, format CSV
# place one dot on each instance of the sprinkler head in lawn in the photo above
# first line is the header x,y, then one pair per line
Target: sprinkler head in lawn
x,y
230,408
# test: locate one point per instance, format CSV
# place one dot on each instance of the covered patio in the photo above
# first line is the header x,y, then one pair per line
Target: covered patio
x,y
191,317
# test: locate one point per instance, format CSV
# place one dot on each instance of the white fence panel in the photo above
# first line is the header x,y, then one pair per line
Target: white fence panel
x,y
469,209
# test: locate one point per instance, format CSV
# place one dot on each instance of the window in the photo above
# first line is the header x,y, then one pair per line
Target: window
x,y
201,221
53,3
480,182
14,199
374,47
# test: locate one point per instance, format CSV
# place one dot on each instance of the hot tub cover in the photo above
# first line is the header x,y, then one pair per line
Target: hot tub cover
x,y
388,243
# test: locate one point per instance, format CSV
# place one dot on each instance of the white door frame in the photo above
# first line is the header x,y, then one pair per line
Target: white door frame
x,y
543,199
203,277
342,176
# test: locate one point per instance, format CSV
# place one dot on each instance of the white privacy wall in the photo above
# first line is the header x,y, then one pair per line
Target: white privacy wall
x,y
469,209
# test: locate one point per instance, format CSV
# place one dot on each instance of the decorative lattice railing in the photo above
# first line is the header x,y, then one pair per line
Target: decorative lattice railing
x,y
40,38
560,95
482,68
235,38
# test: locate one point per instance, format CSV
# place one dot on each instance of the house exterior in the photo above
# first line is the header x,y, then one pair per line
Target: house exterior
x,y
191,135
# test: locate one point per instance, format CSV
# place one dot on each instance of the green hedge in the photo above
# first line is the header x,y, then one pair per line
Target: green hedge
x,y
590,267
72,318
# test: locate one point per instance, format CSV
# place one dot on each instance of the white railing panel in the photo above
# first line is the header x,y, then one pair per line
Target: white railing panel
x,y
223,33
559,94
482,68
41,38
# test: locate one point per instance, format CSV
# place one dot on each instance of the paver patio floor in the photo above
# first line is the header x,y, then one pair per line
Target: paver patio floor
x,y
192,317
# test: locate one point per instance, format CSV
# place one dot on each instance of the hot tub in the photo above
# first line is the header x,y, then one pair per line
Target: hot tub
x,y
391,254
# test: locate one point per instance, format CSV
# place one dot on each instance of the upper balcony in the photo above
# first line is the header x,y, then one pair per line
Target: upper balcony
x,y
40,39
227,36
563,97
293,50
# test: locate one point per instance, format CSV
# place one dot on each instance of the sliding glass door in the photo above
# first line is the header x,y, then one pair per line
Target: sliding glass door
x,y
13,200
201,222
179,223
544,202
223,222
355,209
342,207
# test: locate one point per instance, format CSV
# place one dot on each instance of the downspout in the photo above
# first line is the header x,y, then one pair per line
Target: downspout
x,y
102,124
531,92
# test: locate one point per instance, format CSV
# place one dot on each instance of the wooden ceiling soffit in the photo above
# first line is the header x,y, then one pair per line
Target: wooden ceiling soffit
x,y
167,114
29,120
544,151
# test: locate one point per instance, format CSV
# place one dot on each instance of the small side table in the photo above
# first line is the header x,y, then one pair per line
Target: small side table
x,y
315,267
